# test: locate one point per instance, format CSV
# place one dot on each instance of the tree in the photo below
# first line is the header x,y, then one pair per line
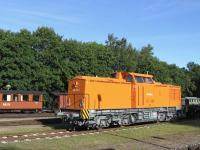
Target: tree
x,y
193,70
42,60
124,54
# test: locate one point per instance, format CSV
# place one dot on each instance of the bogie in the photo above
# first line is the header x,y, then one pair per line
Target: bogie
x,y
121,118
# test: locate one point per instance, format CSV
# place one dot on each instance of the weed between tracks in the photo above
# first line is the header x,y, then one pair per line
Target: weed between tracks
x,y
130,138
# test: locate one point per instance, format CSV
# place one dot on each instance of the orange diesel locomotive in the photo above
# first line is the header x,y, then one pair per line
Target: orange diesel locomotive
x,y
125,99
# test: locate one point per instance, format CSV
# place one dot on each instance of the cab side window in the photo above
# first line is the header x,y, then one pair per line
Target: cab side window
x,y
148,80
139,79
129,78
143,79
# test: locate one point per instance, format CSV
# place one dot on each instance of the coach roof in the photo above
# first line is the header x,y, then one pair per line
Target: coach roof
x,y
20,92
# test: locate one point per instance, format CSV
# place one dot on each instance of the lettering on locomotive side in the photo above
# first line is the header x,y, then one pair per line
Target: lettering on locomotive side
x,y
6,104
149,94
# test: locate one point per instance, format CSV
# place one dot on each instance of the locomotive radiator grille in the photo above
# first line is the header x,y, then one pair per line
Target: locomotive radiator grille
x,y
84,114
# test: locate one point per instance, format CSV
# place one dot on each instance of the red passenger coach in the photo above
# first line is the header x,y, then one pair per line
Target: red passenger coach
x,y
20,100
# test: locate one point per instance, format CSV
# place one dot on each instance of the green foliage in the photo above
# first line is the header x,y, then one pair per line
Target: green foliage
x,y
124,55
43,60
193,71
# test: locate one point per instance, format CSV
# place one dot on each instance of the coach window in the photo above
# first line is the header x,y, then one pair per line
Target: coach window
x,y
139,79
36,98
4,97
25,97
15,97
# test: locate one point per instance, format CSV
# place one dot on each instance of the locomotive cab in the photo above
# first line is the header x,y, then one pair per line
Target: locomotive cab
x,y
134,77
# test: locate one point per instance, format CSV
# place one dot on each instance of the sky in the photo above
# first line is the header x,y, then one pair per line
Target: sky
x,y
172,27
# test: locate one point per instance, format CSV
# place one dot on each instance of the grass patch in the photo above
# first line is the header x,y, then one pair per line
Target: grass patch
x,y
161,130
25,129
108,138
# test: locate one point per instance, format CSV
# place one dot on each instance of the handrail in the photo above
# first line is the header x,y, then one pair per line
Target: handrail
x,y
76,101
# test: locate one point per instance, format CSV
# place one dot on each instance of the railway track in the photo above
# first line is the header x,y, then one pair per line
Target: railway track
x,y
25,115
30,121
18,119
62,133
57,134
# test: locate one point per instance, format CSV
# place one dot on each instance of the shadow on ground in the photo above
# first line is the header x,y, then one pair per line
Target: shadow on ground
x,y
58,124
53,123
6,147
188,122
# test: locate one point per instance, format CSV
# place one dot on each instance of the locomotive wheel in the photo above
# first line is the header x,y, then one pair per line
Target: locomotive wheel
x,y
161,117
132,119
95,127
104,123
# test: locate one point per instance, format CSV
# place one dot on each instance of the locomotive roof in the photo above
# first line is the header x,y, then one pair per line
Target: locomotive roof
x,y
141,75
120,79
113,79
99,79
20,92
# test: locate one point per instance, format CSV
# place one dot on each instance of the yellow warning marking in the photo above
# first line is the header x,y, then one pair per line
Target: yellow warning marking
x,y
84,114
